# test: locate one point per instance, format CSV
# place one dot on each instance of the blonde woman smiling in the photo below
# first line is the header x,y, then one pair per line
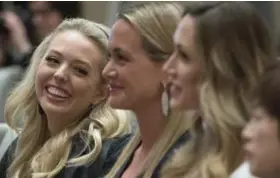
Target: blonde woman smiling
x,y
59,109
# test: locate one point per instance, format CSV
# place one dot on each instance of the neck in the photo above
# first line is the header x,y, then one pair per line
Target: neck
x,y
59,122
151,123
56,124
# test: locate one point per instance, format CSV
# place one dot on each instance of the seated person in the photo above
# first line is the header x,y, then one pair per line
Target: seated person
x,y
261,135
59,109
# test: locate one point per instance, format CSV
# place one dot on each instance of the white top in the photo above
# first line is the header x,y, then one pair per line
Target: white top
x,y
243,171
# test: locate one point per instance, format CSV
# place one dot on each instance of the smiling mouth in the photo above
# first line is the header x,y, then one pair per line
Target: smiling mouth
x,y
57,93
174,89
112,87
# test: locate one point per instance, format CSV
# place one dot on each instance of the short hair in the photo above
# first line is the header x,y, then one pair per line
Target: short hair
x,y
67,9
267,93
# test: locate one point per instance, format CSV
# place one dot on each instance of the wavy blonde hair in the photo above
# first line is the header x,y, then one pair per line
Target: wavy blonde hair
x,y
156,23
236,46
39,155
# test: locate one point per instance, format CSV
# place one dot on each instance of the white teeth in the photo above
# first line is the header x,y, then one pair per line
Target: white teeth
x,y
57,92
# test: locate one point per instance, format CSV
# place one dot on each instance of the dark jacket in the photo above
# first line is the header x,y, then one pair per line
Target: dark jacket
x,y
156,174
110,151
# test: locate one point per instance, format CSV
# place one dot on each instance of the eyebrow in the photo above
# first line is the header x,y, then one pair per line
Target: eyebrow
x,y
183,48
83,63
74,60
56,52
120,50
180,46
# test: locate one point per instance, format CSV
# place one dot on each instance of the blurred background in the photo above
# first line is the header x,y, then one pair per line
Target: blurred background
x,y
105,11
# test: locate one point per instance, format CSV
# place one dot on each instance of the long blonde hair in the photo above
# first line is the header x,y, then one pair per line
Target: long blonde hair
x,y
156,23
39,155
236,46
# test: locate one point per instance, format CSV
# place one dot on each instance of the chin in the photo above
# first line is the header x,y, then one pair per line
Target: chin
x,y
49,107
118,104
115,104
176,105
56,111
253,169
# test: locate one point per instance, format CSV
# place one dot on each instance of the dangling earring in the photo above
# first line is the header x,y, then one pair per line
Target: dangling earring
x,y
165,103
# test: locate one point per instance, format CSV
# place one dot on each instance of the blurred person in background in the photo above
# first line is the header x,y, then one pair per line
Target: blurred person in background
x,y
5,57
44,17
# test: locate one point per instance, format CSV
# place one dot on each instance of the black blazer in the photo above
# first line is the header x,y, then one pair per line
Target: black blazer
x,y
111,149
156,174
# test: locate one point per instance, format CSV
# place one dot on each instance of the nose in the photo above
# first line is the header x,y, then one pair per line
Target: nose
x,y
247,133
60,74
109,71
168,67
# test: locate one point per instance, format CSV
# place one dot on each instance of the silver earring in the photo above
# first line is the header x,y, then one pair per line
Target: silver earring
x,y
165,103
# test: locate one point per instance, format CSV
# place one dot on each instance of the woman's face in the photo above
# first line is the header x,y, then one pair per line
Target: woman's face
x,y
183,67
44,18
68,77
133,78
262,144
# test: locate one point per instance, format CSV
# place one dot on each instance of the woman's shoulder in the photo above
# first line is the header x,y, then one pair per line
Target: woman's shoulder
x,y
7,158
117,142
110,151
179,142
9,152
115,148
112,144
